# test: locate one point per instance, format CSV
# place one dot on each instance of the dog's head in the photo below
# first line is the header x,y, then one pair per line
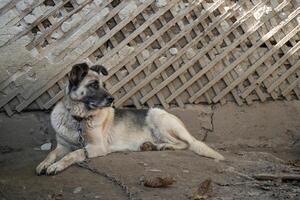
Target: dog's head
x,y
86,86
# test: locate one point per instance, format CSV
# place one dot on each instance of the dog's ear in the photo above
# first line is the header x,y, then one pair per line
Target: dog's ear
x,y
99,69
77,74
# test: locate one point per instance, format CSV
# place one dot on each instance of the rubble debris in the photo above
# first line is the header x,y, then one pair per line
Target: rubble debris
x,y
204,190
157,182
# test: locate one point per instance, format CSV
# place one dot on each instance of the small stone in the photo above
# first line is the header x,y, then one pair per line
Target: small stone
x,y
29,19
77,190
185,171
46,146
56,35
145,54
161,3
190,53
66,26
298,20
173,51
75,19
127,10
225,26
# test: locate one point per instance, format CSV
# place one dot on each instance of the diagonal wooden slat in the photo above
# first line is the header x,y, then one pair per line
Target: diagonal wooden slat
x,y
269,71
252,68
261,41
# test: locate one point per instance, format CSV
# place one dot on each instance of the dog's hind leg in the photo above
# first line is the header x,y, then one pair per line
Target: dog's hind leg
x,y
57,153
173,132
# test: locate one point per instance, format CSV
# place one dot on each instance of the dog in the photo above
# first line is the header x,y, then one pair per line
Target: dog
x,y
87,125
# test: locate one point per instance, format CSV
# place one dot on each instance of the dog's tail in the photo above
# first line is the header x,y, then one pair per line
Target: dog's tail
x,y
202,149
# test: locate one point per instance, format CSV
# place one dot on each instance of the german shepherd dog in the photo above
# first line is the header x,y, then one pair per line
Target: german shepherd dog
x,y
86,112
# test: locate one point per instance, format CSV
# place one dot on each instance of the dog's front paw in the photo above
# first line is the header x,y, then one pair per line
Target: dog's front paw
x,y
54,168
42,167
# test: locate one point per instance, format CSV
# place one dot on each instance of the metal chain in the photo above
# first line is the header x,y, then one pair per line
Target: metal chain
x,y
84,164
111,178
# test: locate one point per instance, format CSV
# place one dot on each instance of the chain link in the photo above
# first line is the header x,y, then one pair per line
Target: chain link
x,y
111,178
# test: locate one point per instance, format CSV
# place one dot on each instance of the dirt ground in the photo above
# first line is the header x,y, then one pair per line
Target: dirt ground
x,y
261,138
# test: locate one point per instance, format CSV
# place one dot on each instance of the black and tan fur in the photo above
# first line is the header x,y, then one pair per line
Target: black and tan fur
x,y
106,129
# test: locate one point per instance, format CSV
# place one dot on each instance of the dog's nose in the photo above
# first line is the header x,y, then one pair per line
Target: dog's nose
x,y
110,99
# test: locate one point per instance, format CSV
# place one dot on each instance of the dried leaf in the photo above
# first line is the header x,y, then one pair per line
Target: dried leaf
x,y
204,190
157,182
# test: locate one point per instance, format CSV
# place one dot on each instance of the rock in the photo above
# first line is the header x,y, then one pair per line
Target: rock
x,y
190,53
127,10
225,26
143,1
56,35
161,3
75,19
77,190
173,51
145,54
298,19
261,12
46,146
29,19
66,26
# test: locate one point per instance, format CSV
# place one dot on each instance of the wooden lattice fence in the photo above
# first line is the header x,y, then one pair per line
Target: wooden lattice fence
x,y
158,52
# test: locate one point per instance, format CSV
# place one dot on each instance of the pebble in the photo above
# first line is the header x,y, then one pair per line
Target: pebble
x,y
46,146
29,19
173,51
66,26
77,190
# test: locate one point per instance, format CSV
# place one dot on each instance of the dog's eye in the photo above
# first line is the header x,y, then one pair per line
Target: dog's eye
x,y
94,85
